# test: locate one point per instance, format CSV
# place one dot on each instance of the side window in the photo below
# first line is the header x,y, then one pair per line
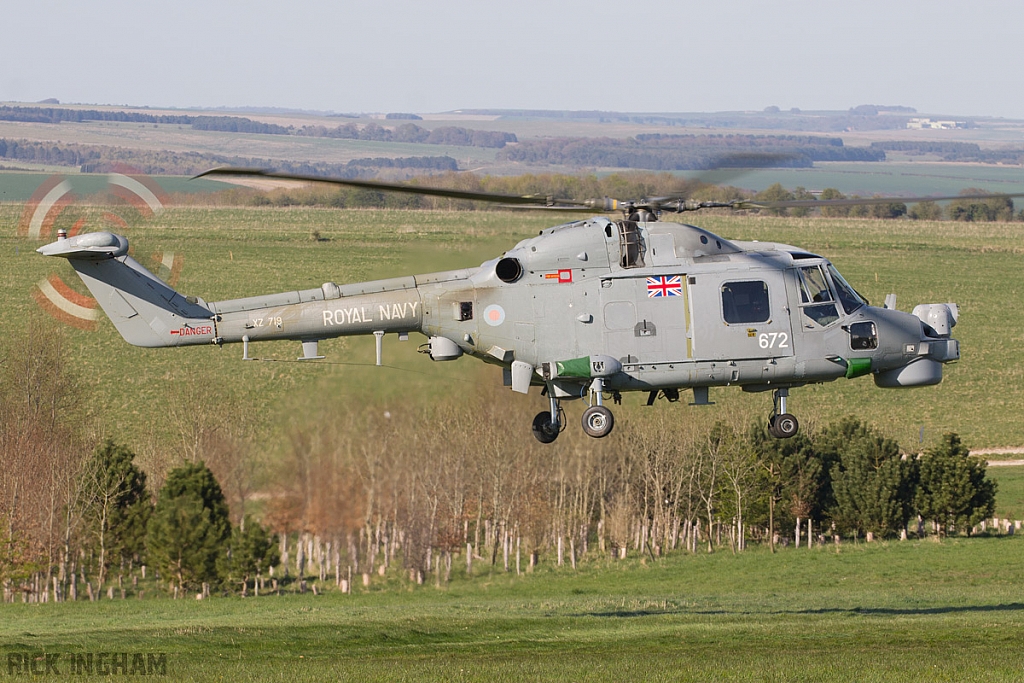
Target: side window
x,y
863,336
745,302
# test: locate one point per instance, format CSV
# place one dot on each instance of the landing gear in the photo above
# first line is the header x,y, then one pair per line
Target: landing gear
x,y
547,425
598,421
544,429
781,424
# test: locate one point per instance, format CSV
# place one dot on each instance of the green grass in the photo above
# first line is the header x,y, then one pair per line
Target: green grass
x,y
910,611
238,252
1010,496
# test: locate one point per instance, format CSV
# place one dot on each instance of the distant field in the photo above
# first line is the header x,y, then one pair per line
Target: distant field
x,y
886,178
897,611
237,252
18,186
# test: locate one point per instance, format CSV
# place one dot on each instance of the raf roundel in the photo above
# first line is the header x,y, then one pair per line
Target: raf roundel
x,y
494,315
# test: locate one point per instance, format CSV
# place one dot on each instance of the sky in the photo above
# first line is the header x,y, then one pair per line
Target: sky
x,y
942,57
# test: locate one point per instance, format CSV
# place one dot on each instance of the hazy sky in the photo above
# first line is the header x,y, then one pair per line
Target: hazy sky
x,y
962,58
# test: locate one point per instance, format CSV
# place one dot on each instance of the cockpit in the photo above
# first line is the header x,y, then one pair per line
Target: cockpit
x,y
823,292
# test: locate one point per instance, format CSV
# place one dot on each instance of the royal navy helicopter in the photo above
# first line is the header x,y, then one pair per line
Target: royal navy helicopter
x,y
588,309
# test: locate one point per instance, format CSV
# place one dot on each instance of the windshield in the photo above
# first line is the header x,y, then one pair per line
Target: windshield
x,y
848,296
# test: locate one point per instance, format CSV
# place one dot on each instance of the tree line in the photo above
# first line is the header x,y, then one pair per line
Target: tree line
x,y
998,208
660,152
954,151
107,159
410,132
431,491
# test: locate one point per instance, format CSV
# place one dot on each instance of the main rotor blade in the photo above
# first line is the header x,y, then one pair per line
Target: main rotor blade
x,y
519,200
863,201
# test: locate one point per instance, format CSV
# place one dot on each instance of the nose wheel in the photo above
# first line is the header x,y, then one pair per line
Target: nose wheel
x,y
781,424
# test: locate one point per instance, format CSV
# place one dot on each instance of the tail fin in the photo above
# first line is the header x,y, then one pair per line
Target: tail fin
x,y
143,309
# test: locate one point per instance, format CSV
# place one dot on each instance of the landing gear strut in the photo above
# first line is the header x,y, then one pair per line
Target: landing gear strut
x,y
781,424
547,425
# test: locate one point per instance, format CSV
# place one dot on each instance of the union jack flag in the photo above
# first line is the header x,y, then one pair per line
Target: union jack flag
x,y
664,286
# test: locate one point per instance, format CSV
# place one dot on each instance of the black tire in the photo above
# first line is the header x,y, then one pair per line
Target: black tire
x,y
543,429
771,426
598,421
785,426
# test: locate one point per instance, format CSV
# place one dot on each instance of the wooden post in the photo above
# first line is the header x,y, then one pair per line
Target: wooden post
x,y
518,543
469,558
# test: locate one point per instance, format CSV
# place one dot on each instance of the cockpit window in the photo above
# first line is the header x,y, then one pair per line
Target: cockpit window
x,y
813,285
848,296
816,296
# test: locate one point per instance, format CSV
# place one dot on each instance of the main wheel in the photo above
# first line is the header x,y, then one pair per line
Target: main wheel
x,y
784,426
598,421
543,429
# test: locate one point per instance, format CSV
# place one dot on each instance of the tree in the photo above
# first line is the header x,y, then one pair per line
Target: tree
x,y
995,209
189,526
872,483
926,211
798,476
888,210
953,491
775,193
252,551
118,507
802,193
830,193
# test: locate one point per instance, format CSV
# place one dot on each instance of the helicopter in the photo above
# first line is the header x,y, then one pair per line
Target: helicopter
x,y
587,309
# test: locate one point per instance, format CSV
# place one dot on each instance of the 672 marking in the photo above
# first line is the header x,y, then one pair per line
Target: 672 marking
x,y
773,340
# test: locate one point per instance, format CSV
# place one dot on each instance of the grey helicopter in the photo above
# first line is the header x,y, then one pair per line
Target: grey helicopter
x,y
588,309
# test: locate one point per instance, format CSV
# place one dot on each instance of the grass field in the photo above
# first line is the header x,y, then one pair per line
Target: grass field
x,y
1010,497
910,611
237,252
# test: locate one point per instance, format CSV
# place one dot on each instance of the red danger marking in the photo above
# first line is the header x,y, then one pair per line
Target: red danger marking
x,y
193,331
563,276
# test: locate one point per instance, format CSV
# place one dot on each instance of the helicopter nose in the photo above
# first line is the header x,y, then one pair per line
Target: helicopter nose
x,y
926,355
